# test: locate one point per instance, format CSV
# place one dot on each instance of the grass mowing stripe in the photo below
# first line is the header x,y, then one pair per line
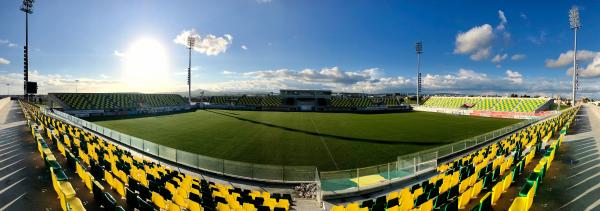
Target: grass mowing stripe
x,y
325,145
289,138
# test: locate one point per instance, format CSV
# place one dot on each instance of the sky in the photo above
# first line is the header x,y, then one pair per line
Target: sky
x,y
470,47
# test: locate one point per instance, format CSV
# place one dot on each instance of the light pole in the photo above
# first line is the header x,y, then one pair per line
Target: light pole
x,y
7,89
26,7
76,83
419,49
191,41
575,25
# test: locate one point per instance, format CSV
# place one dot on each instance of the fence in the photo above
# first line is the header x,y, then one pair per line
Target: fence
x,y
259,172
405,166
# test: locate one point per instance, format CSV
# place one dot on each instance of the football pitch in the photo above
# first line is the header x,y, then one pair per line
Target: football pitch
x,y
330,141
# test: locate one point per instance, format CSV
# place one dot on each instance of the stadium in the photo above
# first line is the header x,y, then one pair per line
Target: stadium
x,y
312,141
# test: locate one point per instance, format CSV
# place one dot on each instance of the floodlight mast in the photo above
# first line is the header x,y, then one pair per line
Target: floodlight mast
x,y
26,7
419,49
191,41
575,25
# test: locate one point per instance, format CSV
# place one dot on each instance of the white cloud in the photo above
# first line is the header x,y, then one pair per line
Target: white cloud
x,y
592,70
226,72
326,75
264,1
477,42
499,58
518,57
565,59
8,43
210,45
524,16
514,77
119,54
503,21
538,40
244,47
4,61
103,76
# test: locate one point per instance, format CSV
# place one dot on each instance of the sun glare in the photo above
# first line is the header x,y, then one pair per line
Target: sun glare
x,y
145,64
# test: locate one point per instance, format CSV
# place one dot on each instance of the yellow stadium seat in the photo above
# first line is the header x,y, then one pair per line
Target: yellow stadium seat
x,y
427,206
417,192
158,200
392,195
463,186
172,206
74,204
464,198
284,203
179,200
340,208
507,181
88,180
394,208
108,177
119,187
222,207
519,204
496,192
477,188
194,206
66,189
250,207
270,203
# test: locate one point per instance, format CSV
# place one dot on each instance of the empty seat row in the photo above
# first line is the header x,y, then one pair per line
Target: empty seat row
x,y
485,173
142,183
118,101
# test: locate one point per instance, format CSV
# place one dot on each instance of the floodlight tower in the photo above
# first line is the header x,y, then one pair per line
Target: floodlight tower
x,y
575,25
419,48
26,7
191,41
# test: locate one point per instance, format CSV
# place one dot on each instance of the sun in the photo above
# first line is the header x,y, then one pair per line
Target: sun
x,y
145,63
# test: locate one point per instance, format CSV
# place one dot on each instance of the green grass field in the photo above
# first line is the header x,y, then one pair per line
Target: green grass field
x,y
328,140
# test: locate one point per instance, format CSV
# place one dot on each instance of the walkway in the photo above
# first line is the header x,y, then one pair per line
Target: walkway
x,y
573,180
24,183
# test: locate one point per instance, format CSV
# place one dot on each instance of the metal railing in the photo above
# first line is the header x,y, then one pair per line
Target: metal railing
x,y
244,170
406,166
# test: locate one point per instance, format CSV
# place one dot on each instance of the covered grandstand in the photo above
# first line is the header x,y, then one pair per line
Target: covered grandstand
x,y
311,100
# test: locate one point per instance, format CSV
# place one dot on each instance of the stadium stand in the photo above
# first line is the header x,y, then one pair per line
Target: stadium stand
x,y
487,103
142,183
341,102
222,100
117,101
362,102
530,105
250,100
508,104
484,174
271,101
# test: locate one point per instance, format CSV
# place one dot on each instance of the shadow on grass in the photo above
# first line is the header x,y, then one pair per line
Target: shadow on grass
x,y
364,140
